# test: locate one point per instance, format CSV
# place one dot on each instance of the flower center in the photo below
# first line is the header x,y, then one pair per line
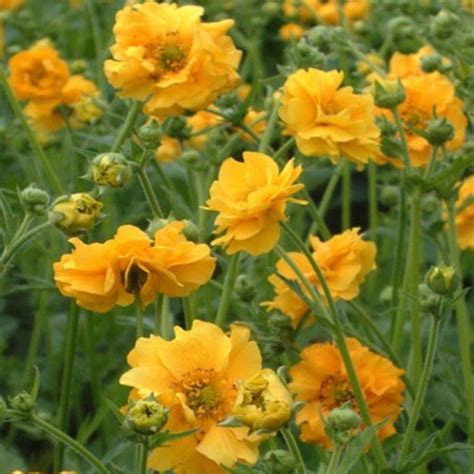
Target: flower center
x,y
172,57
334,392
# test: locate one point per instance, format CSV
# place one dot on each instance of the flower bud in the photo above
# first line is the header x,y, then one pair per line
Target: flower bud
x,y
405,35
444,24
110,169
390,195
146,417
321,37
177,127
263,402
429,301
439,131
245,289
75,213
431,62
430,204
157,224
34,200
442,280
78,66
278,461
191,158
23,402
342,423
307,55
191,231
389,94
150,134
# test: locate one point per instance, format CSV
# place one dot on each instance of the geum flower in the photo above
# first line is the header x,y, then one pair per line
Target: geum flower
x,y
166,55
251,197
465,214
195,376
100,276
329,120
320,380
345,260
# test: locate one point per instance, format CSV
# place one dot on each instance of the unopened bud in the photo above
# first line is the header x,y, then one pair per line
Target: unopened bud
x,y
110,169
156,224
191,158
23,402
245,289
444,24
342,423
389,94
307,55
146,417
191,231
34,200
439,131
278,461
428,299
431,62
390,195
75,213
405,35
442,280
150,134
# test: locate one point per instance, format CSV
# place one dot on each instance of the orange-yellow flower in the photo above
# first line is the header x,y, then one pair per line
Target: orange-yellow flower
x,y
169,150
345,260
38,73
100,276
327,120
11,4
250,198
312,11
404,65
291,31
195,376
425,93
166,55
465,218
321,381
199,123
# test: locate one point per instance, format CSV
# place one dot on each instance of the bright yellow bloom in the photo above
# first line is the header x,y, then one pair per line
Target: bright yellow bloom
x,y
263,402
328,120
38,73
195,376
425,93
169,150
465,218
291,31
345,260
313,11
166,55
200,122
320,380
11,4
131,263
404,65
250,198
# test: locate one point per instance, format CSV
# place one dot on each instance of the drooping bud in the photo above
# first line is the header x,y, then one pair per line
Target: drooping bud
x,y
388,94
146,417
278,461
34,200
263,402
439,131
444,24
405,35
245,289
390,195
442,280
431,62
75,213
150,134
342,423
110,169
23,402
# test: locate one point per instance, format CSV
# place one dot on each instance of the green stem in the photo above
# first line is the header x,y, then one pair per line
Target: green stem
x,y
267,136
139,316
158,313
401,133
224,303
127,126
71,443
72,327
329,191
463,325
142,458
188,312
166,329
421,390
346,195
149,193
373,209
316,216
341,343
48,169
97,39
294,450
288,145
334,461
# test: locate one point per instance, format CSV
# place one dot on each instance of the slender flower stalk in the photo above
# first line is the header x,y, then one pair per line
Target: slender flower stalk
x,y
334,460
294,450
149,193
272,121
229,281
142,458
188,312
346,196
128,125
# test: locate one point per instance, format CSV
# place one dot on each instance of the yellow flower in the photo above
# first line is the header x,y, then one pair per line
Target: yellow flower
x,y
11,4
195,377
166,55
199,123
425,93
404,65
320,380
38,73
169,150
328,120
291,31
263,402
345,260
465,218
132,264
313,11
250,198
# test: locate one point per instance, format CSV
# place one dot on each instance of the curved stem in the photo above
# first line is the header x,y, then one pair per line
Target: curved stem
x,y
72,327
316,216
127,126
229,281
294,450
38,149
71,443
421,390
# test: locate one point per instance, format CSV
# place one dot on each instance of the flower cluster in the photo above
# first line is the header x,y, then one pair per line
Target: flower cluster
x,y
131,265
